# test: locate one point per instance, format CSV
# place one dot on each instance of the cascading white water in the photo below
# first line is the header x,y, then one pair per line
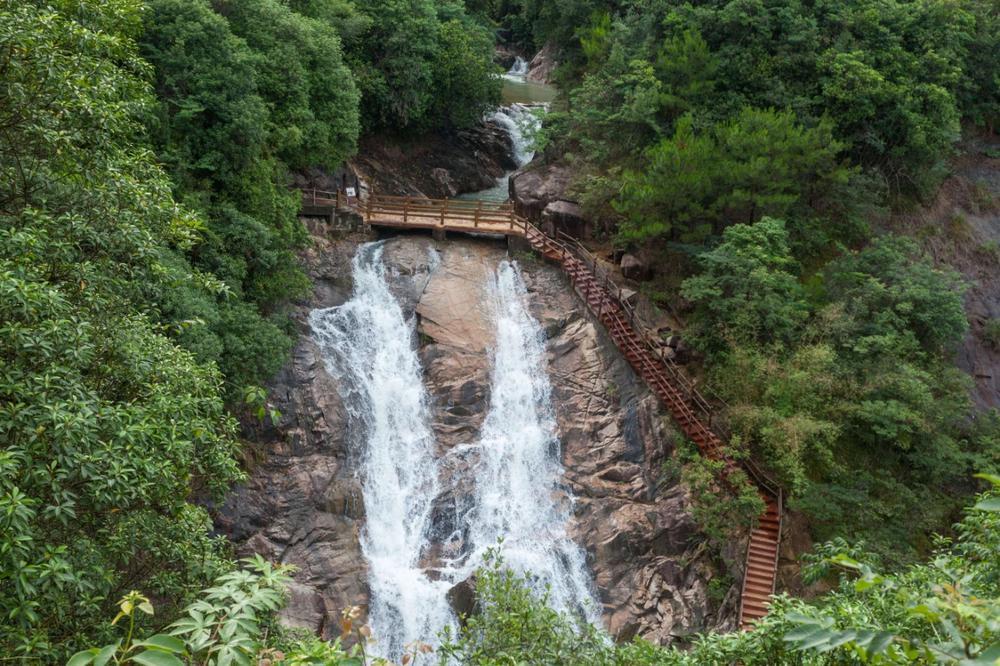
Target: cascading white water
x,y
519,69
518,473
369,345
521,122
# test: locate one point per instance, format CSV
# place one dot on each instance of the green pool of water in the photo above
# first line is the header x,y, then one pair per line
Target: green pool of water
x,y
516,90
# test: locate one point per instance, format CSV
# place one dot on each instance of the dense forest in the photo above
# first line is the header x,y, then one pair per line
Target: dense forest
x,y
754,148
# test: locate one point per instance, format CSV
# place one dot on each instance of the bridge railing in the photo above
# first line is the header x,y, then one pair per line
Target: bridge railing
x,y
411,210
316,197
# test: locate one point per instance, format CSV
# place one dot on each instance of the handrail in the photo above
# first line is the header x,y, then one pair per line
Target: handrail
x,y
563,245
689,391
695,395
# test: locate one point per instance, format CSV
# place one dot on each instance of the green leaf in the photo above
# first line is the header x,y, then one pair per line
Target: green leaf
x,y
802,633
990,655
163,642
156,658
992,478
989,504
106,653
880,642
841,638
82,658
821,637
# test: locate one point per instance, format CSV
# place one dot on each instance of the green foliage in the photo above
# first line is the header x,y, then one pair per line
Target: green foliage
x,y
615,110
513,626
223,626
157,650
595,38
747,290
895,297
843,388
423,66
991,333
229,111
232,622
941,612
723,502
465,82
892,78
108,426
761,163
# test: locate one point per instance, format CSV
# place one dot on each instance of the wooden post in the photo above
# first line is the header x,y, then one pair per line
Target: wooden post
x,y
479,208
406,205
444,207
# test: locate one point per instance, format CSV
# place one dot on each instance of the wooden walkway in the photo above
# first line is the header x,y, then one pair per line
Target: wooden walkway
x,y
604,299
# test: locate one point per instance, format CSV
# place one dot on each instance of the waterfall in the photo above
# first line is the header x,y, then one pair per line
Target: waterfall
x,y
369,345
518,494
521,122
519,69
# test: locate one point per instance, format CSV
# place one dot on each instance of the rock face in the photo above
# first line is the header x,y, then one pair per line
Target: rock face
x,y
535,187
647,556
302,504
566,216
634,268
542,66
961,229
436,166
540,194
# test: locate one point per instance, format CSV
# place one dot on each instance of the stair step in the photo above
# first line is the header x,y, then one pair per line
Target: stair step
x,y
762,550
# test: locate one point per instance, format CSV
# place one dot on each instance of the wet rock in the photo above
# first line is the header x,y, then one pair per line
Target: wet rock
x,y
505,56
436,165
462,597
304,610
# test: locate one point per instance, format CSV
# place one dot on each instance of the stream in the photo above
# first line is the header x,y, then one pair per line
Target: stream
x,y
521,116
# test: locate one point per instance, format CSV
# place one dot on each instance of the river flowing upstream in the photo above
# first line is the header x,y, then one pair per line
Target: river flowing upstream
x,y
515,475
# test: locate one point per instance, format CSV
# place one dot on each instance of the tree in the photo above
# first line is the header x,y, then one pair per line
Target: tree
x,y
747,292
309,92
219,130
394,63
761,163
891,289
108,426
466,85
423,66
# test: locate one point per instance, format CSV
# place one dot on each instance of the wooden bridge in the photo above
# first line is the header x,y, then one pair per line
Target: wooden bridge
x,y
604,299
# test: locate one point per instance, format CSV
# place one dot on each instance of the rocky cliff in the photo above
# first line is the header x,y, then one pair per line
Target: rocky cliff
x,y
302,504
960,228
